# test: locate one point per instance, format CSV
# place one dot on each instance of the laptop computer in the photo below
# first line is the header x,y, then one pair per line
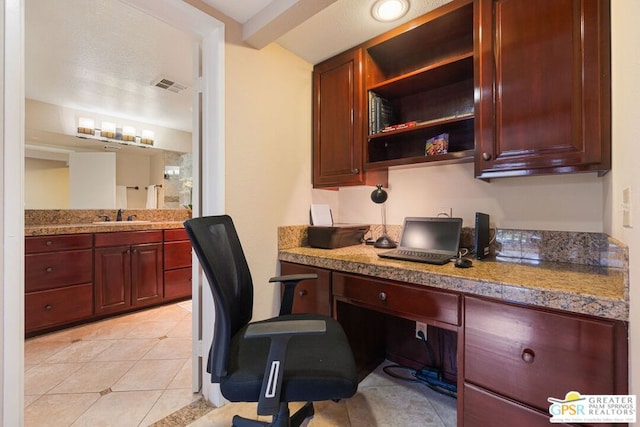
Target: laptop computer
x,y
429,240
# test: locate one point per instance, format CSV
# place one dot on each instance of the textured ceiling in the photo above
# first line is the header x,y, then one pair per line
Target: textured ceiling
x,y
101,56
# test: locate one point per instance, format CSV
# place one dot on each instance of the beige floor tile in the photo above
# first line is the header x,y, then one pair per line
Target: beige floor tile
x,y
183,329
170,348
149,375
38,350
183,377
93,377
58,410
129,349
169,402
42,378
150,329
80,351
119,409
221,417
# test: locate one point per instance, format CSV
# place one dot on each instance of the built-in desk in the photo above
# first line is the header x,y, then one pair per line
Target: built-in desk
x,y
522,330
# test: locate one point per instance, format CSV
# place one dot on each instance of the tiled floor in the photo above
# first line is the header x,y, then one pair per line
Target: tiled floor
x,y
135,370
131,370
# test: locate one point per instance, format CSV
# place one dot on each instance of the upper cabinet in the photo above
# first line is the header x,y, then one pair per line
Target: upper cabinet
x,y
419,86
337,123
522,87
543,73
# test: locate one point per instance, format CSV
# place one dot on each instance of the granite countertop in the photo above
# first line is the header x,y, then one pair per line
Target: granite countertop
x,y
43,230
586,289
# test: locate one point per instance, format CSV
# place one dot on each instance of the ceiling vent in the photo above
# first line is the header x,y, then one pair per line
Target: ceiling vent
x,y
111,147
170,85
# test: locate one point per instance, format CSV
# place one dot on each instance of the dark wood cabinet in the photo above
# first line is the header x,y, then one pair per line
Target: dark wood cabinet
x,y
128,274
338,155
311,296
543,85
526,355
422,73
177,264
58,280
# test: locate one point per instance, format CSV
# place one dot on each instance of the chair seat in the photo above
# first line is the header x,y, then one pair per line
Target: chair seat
x,y
315,367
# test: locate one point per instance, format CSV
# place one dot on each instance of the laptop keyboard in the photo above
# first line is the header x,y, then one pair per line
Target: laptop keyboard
x,y
428,257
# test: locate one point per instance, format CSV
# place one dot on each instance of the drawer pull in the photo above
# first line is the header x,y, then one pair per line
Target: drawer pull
x,y
48,307
528,355
302,293
48,243
382,296
48,269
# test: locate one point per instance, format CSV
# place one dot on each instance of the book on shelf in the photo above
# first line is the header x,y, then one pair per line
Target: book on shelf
x,y
381,113
399,126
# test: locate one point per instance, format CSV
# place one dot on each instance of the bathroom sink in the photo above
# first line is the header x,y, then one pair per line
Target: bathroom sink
x,y
121,222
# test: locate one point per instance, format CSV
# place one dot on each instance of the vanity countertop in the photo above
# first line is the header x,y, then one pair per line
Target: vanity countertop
x,y
585,289
44,230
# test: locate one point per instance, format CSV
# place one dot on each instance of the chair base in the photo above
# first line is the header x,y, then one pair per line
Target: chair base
x,y
281,419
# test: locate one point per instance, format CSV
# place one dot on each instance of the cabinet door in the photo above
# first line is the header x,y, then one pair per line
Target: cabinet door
x,y
530,355
112,279
338,105
311,296
543,102
146,274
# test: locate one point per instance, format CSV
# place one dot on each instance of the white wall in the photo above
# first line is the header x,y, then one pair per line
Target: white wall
x,y
625,172
92,180
46,184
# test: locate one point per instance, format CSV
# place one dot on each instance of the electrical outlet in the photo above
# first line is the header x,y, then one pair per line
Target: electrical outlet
x,y
421,327
444,212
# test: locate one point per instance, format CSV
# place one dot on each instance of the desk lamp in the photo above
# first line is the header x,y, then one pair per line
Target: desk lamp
x,y
379,196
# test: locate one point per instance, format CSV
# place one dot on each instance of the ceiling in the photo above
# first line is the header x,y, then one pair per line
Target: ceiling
x,y
103,56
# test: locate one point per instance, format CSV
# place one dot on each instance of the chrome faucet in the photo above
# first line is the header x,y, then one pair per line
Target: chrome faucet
x,y
119,215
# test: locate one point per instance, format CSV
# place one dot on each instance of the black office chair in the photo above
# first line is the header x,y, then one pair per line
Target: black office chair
x,y
289,358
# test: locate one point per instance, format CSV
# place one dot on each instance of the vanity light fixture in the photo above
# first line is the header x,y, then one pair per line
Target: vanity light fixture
x,y
389,10
147,137
86,126
128,133
108,130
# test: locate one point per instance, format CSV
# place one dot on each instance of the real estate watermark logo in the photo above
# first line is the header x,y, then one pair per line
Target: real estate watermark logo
x,y
577,408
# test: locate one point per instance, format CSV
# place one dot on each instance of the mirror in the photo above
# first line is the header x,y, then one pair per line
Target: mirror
x,y
123,68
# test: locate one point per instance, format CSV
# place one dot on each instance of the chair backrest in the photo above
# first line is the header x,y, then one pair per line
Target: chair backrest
x,y
216,243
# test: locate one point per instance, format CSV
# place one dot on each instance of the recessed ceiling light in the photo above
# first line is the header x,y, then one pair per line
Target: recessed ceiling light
x,y
389,10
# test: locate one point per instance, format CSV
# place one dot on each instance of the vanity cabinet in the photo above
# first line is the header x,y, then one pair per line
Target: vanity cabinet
x,y
58,280
313,295
516,357
128,270
338,108
177,264
543,84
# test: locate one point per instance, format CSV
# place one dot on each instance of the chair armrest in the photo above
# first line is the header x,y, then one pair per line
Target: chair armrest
x,y
279,333
290,281
285,327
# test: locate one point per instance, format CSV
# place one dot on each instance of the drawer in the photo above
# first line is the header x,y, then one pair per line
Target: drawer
x,y
175,234
58,306
57,243
51,270
177,255
177,283
415,302
529,355
484,409
128,238
311,296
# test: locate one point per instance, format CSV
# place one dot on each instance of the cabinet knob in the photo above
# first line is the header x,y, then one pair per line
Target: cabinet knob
x,y
355,171
302,293
528,355
486,156
382,296
48,243
48,269
48,307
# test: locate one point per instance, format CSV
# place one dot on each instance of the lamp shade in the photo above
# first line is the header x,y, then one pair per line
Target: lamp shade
x,y
379,195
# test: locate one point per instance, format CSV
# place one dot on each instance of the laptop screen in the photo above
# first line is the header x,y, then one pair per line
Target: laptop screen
x,y
440,235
